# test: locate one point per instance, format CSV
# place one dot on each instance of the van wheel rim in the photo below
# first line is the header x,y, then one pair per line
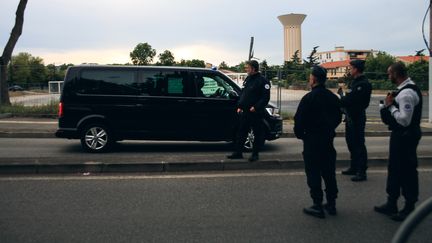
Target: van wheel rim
x,y
249,140
96,138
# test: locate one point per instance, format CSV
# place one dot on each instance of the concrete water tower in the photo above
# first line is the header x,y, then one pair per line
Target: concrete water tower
x,y
292,34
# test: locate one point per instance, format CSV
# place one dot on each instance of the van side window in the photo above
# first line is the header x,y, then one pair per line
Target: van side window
x,y
108,82
211,86
167,83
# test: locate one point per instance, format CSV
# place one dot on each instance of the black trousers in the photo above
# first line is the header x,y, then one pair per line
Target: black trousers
x,y
355,139
319,156
248,120
402,166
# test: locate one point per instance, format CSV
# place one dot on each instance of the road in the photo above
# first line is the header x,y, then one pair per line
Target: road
x,y
69,151
218,207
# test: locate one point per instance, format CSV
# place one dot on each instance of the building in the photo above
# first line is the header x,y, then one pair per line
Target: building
x,y
410,59
336,62
292,34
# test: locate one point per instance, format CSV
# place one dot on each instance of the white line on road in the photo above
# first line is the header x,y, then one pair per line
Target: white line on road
x,y
28,122
183,176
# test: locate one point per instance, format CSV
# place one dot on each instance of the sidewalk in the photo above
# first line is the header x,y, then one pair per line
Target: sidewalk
x,y
45,128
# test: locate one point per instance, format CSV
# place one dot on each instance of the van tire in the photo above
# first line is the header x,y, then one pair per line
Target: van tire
x,y
96,138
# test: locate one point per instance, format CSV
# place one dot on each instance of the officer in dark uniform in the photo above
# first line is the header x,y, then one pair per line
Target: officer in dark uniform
x,y
402,113
354,104
317,116
251,107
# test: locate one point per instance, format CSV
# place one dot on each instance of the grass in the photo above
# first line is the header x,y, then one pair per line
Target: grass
x,y
287,115
18,110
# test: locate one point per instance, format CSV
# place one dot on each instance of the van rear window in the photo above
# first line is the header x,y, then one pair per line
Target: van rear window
x,y
110,82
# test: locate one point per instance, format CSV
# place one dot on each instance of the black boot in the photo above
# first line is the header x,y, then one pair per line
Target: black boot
x,y
330,207
235,155
349,171
359,177
403,214
389,208
254,157
315,210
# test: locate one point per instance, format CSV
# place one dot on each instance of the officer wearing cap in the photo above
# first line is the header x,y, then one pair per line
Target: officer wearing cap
x,y
251,107
402,113
354,104
317,116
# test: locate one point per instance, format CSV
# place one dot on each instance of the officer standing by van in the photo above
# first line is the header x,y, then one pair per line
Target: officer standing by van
x,y
250,108
317,116
402,113
354,104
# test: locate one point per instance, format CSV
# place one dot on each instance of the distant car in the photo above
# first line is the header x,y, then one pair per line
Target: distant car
x,y
14,88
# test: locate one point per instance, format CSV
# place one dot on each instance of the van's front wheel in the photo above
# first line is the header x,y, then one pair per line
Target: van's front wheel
x,y
96,138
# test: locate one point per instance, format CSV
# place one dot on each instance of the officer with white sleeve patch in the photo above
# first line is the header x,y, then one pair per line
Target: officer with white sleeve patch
x,y
402,113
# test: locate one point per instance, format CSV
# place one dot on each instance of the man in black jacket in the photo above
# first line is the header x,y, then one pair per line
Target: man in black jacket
x,y
251,107
317,116
354,104
402,113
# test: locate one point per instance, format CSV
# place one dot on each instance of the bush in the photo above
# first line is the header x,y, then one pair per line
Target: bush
x,y
48,111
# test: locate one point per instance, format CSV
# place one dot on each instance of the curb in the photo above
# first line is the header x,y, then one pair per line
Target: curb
x,y
97,168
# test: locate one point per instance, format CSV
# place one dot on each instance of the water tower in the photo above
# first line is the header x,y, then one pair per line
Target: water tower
x,y
292,34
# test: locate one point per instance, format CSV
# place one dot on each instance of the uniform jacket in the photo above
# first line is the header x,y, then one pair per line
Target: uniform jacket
x,y
256,93
357,100
318,113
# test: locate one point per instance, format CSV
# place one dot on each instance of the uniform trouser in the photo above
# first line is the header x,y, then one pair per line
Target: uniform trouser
x,y
248,120
319,156
402,166
355,139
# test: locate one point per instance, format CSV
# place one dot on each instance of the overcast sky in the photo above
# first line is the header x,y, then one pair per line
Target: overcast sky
x,y
105,31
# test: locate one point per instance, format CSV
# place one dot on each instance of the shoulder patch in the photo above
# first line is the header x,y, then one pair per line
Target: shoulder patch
x,y
359,88
407,107
267,86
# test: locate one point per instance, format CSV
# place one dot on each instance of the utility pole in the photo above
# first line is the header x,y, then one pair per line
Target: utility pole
x,y
430,62
251,52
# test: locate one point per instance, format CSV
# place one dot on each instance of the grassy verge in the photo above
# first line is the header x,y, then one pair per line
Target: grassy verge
x,y
47,111
287,115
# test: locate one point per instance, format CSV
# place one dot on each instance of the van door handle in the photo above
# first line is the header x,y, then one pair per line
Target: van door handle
x,y
139,105
182,101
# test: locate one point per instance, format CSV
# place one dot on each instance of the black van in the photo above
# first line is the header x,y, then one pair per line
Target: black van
x,y
104,104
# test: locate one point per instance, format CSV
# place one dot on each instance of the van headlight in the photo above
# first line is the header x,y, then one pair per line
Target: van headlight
x,y
273,111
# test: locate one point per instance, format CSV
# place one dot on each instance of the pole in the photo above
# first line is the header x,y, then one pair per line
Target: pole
x,y
430,62
251,48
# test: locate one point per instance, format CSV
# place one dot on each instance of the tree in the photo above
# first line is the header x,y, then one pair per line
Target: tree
x,y
7,51
223,65
25,69
419,72
166,59
142,54
376,66
312,58
192,63
419,53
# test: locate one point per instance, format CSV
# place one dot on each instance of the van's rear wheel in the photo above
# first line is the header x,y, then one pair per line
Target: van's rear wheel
x,y
96,138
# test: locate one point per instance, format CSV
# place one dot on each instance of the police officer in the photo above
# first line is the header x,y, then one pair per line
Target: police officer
x,y
317,116
402,113
354,104
251,107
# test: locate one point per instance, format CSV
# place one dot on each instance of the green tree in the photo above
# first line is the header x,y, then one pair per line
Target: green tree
x,y
312,58
143,54
7,51
419,73
25,69
192,63
166,58
223,65
376,65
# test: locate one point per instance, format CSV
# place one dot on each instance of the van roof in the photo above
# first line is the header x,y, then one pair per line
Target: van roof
x,y
82,66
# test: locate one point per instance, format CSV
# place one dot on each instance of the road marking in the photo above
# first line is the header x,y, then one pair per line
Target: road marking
x,y
176,176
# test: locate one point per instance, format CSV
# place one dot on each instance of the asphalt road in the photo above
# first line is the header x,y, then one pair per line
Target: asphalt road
x,y
69,151
240,207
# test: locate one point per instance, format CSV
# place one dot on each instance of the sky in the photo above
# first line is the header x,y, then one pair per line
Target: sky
x,y
106,31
